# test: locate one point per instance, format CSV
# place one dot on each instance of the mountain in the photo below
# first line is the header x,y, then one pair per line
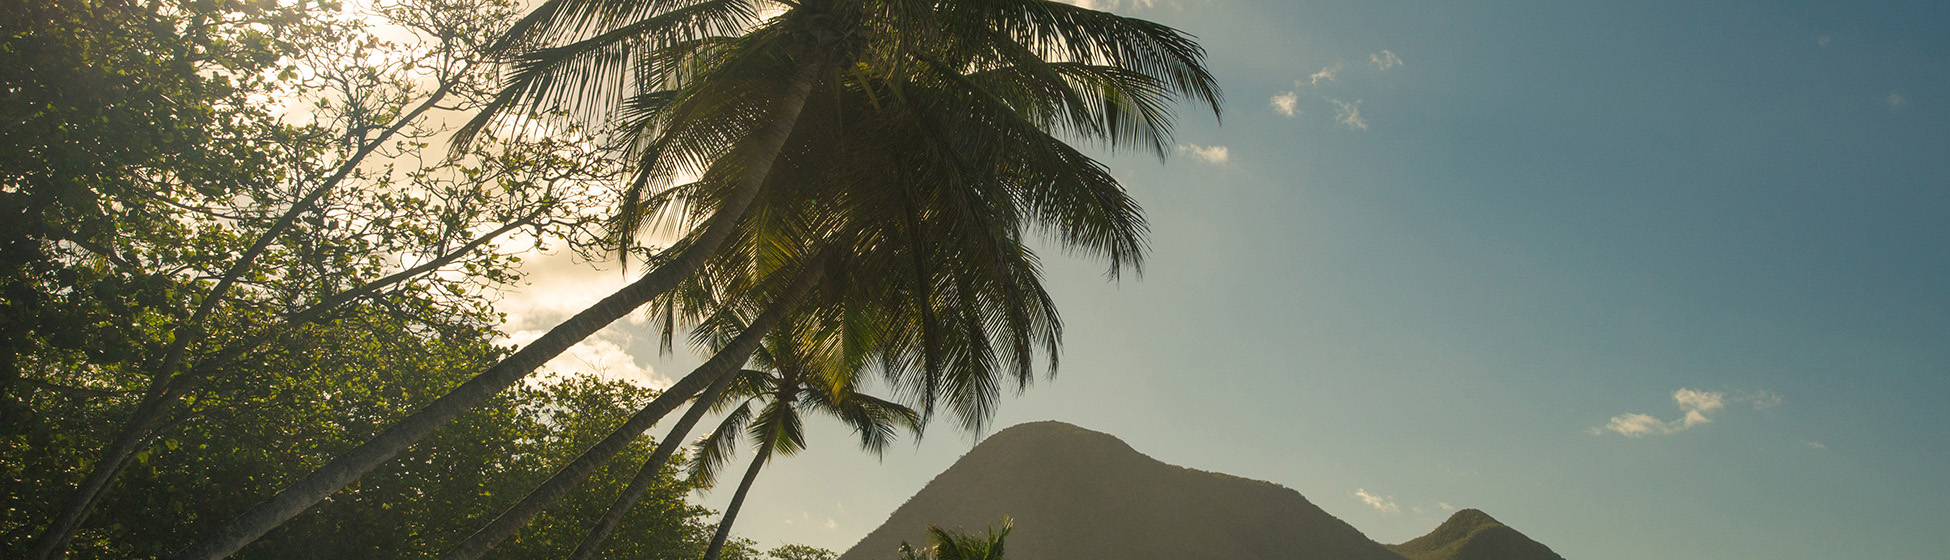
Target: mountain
x,y
1076,494
1474,535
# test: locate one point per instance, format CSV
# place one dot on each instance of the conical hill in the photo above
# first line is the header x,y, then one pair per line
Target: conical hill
x,y
1075,494
1473,535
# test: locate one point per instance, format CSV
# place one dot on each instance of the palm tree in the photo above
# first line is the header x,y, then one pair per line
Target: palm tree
x,y
956,545
710,86
802,382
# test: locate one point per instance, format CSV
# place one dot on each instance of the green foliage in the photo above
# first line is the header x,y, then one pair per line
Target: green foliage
x,y
325,390
800,552
149,154
956,545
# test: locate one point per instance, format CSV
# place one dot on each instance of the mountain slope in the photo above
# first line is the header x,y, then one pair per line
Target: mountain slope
x,y
1081,495
1474,535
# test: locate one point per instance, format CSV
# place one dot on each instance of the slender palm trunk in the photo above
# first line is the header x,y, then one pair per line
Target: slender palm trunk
x,y
592,542
349,466
718,371
564,480
738,499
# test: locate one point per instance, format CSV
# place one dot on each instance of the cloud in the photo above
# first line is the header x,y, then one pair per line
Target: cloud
x,y
1817,445
1215,155
1349,114
831,524
1697,404
1824,40
1327,74
1287,103
1761,400
1382,503
1445,506
1696,409
1635,425
1385,60
1896,100
557,286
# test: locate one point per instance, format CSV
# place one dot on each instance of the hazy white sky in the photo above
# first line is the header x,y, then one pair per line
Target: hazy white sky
x,y
1642,279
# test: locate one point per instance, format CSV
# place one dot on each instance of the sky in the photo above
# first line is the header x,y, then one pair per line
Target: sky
x,y
1651,279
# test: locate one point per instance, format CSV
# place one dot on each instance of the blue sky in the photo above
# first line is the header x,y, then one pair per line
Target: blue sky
x,y
1545,219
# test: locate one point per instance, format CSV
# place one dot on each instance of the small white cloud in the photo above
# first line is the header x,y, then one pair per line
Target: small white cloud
x,y
1215,155
1327,74
1382,503
1385,60
1636,425
1349,114
831,524
1287,103
1896,100
1697,404
1824,40
1696,408
1762,400
1445,506
1817,445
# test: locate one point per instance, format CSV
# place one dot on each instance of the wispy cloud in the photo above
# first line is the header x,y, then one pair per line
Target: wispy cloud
x,y
1445,506
1817,445
1761,400
1349,114
1383,503
1385,60
1824,41
1287,103
1635,425
1327,74
1896,100
1696,409
1215,155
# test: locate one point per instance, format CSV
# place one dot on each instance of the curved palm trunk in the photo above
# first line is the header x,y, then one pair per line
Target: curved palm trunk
x,y
349,466
738,499
531,505
718,371
592,542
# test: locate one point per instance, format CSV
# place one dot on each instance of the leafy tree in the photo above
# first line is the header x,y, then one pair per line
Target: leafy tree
x,y
800,552
167,222
333,386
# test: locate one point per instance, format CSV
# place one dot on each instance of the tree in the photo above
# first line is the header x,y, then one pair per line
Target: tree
x,y
173,222
956,545
321,390
708,84
800,552
803,378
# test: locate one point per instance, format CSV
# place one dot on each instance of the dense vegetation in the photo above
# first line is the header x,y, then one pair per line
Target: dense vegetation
x,y
149,148
246,261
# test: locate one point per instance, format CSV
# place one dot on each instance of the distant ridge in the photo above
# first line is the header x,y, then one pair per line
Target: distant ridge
x,y
1473,535
1076,494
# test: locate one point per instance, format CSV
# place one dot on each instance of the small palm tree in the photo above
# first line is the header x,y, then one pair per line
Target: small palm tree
x,y
770,414
956,545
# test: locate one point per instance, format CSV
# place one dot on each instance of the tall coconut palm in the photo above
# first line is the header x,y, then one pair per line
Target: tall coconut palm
x,y
704,88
